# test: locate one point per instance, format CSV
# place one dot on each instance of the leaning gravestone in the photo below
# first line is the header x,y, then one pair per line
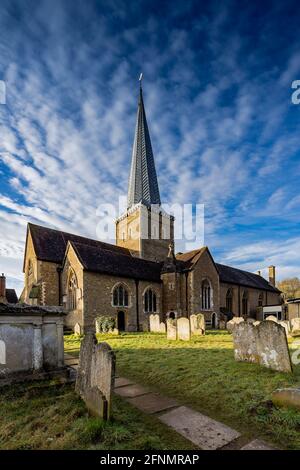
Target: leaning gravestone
x,y
265,344
171,329
272,347
96,375
230,325
154,323
162,327
183,329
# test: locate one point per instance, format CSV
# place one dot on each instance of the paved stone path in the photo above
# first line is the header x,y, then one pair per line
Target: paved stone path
x,y
204,432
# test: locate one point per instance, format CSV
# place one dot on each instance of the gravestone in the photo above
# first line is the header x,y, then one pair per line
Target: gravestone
x,y
162,327
250,320
222,325
197,323
286,326
272,318
154,323
183,329
256,323
272,346
265,344
295,324
244,342
96,375
77,329
230,325
171,329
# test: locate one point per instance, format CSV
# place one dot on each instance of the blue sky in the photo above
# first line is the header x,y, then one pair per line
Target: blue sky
x,y
217,93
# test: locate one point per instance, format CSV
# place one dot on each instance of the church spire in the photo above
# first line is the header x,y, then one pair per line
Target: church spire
x,y
143,185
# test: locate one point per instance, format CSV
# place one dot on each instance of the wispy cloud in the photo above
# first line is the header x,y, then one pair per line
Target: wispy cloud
x,y
217,94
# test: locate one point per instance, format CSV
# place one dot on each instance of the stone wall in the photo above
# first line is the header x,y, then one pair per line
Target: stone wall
x,y
204,269
97,299
31,339
269,298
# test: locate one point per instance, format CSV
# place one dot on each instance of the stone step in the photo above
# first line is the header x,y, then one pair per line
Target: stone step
x,y
131,391
257,444
152,403
203,431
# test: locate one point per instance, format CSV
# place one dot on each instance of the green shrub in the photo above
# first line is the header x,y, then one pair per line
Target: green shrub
x,y
105,324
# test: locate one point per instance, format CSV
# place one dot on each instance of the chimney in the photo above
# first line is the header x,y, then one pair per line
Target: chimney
x,y
272,276
2,286
259,273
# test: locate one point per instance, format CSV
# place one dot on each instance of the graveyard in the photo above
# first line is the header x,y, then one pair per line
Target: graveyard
x,y
200,373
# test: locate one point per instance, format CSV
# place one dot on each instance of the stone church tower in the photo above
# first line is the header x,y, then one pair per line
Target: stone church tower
x,y
145,228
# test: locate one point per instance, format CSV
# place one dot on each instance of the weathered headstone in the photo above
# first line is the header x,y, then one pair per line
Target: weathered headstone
x,y
183,329
197,323
154,323
256,323
265,344
96,375
286,326
171,329
250,320
295,324
272,318
222,325
244,342
272,347
162,327
77,329
233,322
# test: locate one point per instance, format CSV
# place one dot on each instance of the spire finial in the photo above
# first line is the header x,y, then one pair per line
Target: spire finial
x,y
140,80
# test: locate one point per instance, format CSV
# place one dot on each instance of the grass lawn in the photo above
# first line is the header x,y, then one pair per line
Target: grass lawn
x,y
203,374
49,415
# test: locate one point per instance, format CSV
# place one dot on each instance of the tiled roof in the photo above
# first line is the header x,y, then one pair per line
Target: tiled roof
x,y
244,278
11,296
99,260
143,185
50,244
191,257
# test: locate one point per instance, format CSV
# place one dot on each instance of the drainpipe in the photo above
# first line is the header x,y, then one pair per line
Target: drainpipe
x,y
137,305
186,294
239,301
59,271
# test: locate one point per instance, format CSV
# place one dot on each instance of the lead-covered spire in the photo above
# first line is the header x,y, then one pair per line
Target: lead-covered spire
x,y
143,185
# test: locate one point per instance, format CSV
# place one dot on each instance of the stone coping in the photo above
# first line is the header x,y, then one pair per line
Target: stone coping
x,y
30,310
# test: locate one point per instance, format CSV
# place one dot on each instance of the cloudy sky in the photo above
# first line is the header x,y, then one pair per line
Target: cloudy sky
x,y
217,92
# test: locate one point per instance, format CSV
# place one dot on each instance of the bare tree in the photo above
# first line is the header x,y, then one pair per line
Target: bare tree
x,y
290,287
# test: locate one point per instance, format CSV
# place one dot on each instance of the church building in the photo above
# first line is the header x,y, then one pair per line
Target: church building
x,y
141,274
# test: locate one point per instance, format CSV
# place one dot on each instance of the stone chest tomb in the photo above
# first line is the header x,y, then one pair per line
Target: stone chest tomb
x,y
31,339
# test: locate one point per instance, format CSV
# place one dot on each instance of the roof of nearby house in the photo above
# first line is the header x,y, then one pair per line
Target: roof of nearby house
x,y
96,259
50,245
11,296
238,276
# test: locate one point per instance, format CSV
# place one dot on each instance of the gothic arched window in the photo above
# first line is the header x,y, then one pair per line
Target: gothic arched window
x,y
120,296
150,301
206,295
229,300
245,303
72,291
